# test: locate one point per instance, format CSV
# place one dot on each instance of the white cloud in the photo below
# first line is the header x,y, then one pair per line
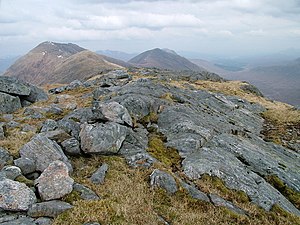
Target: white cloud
x,y
198,22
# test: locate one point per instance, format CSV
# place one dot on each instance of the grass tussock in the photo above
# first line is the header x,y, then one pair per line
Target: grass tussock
x,y
289,193
128,199
14,140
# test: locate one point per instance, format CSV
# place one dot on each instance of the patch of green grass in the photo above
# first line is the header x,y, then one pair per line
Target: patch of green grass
x,y
168,156
289,193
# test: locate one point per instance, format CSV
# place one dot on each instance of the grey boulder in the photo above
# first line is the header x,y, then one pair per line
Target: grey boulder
x,y
218,201
85,192
8,103
13,86
48,209
43,151
15,196
26,165
71,146
55,182
5,157
163,180
113,112
102,138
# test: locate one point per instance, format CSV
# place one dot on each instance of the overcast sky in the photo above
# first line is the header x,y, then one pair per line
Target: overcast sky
x,y
227,27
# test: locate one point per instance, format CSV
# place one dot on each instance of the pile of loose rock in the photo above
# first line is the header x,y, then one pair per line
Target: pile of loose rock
x,y
214,134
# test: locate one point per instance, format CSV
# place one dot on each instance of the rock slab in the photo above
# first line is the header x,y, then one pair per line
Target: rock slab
x,y
55,182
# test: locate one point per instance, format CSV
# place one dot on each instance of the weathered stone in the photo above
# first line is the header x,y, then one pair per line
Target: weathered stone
x,y
43,151
36,94
10,172
5,157
29,128
26,165
134,149
70,126
2,131
13,124
43,221
71,146
55,182
15,196
48,209
8,103
99,176
102,138
20,221
13,86
49,125
163,180
195,193
58,135
113,112
218,201
81,115
85,192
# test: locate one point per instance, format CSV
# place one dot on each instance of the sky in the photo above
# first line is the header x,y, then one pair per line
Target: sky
x,y
224,27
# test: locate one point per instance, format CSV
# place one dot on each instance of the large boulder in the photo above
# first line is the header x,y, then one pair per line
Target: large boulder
x,y
43,151
15,196
112,111
9,103
55,182
102,138
13,86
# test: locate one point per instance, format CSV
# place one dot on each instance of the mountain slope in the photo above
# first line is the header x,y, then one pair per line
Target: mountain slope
x,y
60,63
163,59
116,54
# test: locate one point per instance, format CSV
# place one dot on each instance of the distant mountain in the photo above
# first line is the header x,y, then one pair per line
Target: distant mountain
x,y
279,82
51,62
117,54
6,63
163,59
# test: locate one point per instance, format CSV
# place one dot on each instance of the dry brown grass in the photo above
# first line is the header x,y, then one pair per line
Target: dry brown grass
x,y
128,199
14,140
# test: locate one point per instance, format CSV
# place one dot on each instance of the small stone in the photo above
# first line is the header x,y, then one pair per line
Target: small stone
x,y
164,180
43,221
49,125
85,192
27,165
56,135
15,196
11,172
71,146
48,209
99,175
55,182
218,201
5,157
195,193
2,131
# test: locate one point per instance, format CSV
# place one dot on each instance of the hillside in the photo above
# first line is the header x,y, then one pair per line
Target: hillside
x,y
150,146
51,62
163,59
116,54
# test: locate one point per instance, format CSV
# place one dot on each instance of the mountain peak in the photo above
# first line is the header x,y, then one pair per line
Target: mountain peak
x,y
163,59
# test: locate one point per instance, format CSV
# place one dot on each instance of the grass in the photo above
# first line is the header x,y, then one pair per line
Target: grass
x,y
128,199
290,194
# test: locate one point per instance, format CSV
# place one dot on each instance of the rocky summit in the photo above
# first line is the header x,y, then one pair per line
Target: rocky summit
x,y
147,146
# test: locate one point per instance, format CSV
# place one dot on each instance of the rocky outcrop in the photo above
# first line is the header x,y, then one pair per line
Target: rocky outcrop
x,y
14,94
55,182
